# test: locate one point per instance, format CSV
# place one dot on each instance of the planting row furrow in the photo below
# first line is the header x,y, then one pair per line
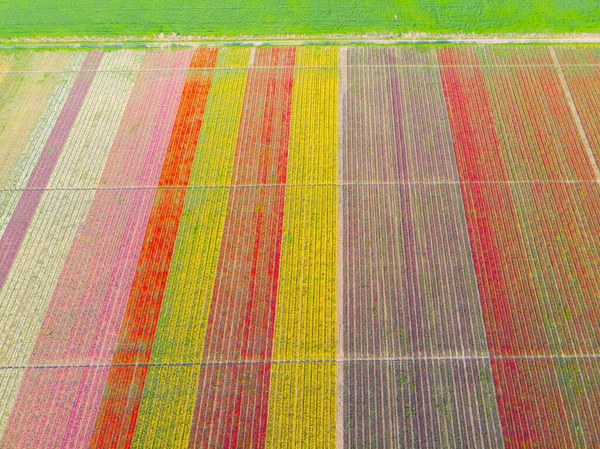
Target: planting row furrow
x,y
424,404
549,403
491,216
215,160
17,227
36,271
390,233
560,233
569,55
537,132
36,142
313,140
23,99
438,313
585,89
369,129
103,108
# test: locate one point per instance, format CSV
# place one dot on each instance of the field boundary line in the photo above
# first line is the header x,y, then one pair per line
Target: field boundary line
x,y
339,184
301,361
341,120
573,107
305,67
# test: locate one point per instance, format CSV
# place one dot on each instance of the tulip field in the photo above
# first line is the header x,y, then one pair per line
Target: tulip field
x,y
300,247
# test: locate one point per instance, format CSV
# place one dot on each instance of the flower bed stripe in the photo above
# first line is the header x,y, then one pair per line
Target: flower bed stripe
x,y
23,98
302,400
168,403
21,219
16,177
232,404
123,393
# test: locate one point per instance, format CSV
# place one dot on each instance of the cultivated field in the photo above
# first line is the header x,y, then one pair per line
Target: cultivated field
x,y
60,18
312,247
